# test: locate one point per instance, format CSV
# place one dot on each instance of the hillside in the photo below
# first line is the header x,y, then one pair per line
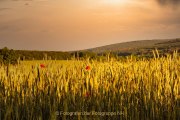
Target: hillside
x,y
140,47
143,48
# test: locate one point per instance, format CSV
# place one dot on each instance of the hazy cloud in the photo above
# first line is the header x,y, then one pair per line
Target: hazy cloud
x,y
2,9
169,2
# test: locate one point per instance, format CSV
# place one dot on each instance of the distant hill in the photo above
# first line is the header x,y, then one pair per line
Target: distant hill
x,y
140,47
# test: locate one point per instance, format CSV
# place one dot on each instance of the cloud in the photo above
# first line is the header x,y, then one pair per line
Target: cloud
x,y
2,9
169,2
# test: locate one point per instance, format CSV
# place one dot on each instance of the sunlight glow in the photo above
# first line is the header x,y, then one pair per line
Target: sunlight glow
x,y
114,1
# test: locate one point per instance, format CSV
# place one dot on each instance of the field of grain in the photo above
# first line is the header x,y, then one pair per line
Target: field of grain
x,y
131,89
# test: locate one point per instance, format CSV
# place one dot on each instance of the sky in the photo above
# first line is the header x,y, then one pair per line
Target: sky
x,y
67,25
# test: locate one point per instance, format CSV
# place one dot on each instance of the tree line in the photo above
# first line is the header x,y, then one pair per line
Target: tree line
x,y
10,56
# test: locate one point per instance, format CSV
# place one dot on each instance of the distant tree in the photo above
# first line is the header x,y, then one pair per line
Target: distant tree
x,y
8,56
1,58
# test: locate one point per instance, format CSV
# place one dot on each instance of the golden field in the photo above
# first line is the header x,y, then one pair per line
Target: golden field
x,y
135,88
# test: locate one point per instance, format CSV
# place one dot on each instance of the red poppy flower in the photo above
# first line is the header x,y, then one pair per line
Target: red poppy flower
x,y
42,65
88,67
87,94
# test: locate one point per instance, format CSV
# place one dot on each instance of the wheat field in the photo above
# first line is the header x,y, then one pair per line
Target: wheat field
x,y
129,89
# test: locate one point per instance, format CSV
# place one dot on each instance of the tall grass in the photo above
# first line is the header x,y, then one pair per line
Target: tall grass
x,y
136,89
